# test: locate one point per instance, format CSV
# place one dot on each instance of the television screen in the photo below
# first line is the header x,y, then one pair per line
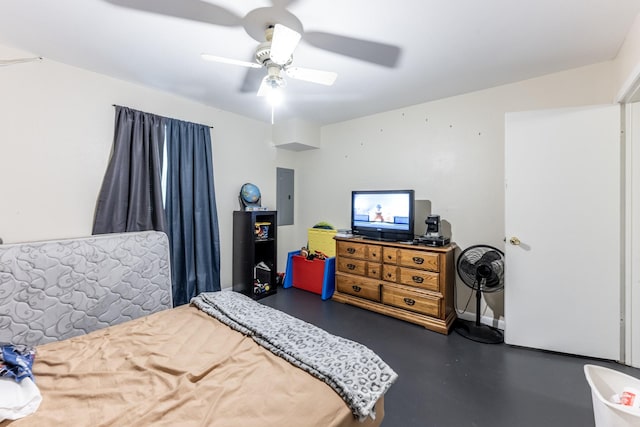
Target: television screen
x,y
383,214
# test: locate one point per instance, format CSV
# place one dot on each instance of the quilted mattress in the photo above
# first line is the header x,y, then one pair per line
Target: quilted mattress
x,y
55,290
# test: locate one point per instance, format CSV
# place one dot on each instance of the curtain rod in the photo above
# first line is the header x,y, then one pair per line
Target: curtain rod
x,y
115,105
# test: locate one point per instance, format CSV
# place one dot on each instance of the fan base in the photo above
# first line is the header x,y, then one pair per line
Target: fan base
x,y
482,333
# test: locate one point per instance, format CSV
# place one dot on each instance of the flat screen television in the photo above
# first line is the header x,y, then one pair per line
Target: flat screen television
x,y
383,214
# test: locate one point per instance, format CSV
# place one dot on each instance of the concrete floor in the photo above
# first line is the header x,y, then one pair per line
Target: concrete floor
x,y
452,381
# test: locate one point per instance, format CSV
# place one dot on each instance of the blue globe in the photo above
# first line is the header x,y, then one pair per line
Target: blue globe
x,y
250,195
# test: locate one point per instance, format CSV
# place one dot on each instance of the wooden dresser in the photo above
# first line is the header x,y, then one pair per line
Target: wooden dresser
x,y
409,282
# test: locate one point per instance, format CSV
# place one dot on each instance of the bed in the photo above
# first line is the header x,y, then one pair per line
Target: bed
x,y
109,354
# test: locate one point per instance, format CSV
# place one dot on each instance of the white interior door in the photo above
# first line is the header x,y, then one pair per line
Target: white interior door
x,y
563,203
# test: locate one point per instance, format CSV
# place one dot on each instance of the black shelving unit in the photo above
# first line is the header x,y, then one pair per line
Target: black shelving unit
x,y
250,248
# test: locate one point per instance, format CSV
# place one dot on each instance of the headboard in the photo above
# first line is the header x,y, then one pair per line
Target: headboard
x,y
54,290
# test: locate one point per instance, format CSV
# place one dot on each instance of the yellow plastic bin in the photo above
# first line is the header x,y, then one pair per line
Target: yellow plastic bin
x,y
321,239
604,384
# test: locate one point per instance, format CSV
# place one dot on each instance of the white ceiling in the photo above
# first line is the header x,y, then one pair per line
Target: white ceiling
x,y
443,47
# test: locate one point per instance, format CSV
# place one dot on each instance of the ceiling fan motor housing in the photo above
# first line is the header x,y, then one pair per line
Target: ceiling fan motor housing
x,y
263,55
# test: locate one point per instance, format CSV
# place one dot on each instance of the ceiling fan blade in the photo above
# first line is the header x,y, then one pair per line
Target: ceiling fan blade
x,y
326,78
377,53
6,62
194,10
283,4
224,60
283,43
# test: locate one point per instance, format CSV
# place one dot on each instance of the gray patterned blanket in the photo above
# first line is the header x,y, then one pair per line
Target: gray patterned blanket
x,y
355,372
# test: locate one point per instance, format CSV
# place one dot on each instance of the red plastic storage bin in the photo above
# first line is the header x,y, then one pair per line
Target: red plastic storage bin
x,y
308,274
318,276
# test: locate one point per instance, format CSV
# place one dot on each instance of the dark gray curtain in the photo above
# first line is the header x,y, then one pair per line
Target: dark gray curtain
x,y
131,195
192,220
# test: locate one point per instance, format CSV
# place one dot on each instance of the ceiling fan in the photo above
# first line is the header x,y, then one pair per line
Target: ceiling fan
x,y
276,55
278,31
256,20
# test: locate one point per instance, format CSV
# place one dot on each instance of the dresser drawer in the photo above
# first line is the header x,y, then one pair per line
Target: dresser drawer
x,y
351,250
359,250
390,273
411,300
359,267
374,253
374,270
411,277
419,278
418,259
390,255
352,266
363,288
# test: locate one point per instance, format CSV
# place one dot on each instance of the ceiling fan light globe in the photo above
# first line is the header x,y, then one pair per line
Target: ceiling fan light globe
x,y
275,97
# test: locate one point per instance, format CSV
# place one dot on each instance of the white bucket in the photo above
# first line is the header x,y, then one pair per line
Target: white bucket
x,y
604,384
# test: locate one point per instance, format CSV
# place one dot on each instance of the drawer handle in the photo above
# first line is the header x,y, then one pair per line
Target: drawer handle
x,y
409,301
418,260
351,266
418,279
351,250
356,288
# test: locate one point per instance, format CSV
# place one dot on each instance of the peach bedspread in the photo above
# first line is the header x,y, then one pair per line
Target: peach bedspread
x,y
178,367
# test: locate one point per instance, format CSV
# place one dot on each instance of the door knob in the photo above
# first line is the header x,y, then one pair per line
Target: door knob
x,y
514,241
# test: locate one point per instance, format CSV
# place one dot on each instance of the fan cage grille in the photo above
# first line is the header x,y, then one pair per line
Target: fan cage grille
x,y
469,261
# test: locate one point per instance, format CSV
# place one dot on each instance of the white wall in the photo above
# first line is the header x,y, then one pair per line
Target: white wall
x,y
451,152
56,132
